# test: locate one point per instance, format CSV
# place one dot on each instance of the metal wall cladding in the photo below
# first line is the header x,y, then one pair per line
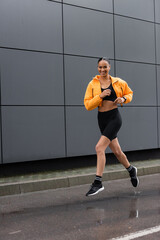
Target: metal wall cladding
x,y
32,133
142,80
157,11
157,43
103,5
31,78
48,55
34,25
88,32
82,131
158,84
139,128
135,8
134,40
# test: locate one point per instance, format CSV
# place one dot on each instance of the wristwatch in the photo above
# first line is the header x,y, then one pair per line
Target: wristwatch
x,y
125,99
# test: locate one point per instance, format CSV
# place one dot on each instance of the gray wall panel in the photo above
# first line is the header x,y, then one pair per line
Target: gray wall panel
x,y
31,78
135,8
134,40
79,71
82,131
104,5
157,42
142,80
139,129
88,32
31,25
157,10
158,84
32,133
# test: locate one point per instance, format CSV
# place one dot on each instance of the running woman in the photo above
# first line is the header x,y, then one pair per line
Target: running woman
x,y
106,92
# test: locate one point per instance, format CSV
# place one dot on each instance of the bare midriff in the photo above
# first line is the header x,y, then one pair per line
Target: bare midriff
x,y
107,106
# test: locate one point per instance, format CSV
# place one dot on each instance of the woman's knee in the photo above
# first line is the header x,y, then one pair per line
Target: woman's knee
x,y
99,148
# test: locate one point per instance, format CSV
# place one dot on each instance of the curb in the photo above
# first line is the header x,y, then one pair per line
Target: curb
x,y
64,182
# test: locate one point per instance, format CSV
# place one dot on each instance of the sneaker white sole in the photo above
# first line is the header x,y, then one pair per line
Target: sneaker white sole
x,y
100,190
136,177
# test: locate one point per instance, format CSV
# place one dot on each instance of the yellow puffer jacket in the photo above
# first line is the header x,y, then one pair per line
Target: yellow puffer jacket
x,y
92,98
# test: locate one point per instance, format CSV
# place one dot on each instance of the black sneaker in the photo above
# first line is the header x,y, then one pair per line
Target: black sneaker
x,y
94,189
134,178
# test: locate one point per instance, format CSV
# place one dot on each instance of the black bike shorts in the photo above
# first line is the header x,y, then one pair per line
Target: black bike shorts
x,y
109,123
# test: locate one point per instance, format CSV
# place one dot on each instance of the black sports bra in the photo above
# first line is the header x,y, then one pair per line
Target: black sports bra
x,y
113,96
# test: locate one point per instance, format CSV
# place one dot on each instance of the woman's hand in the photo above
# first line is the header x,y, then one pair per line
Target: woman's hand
x,y
105,93
119,100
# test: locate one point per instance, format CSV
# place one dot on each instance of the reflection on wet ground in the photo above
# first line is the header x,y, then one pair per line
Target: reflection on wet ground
x,y
103,217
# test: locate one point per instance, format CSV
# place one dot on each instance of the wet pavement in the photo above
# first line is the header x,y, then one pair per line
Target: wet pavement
x,y
67,214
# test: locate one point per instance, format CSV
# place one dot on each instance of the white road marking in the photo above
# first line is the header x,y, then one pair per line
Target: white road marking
x,y
139,233
15,232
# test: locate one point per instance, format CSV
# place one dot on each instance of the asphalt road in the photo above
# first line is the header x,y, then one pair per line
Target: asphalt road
x,y
67,214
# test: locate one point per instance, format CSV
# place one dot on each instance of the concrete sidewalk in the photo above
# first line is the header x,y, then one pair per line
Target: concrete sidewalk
x,y
63,179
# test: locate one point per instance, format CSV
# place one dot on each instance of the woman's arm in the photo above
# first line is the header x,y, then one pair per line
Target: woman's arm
x,y
90,101
127,93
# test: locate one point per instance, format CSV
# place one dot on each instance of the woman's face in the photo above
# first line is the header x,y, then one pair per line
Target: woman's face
x,y
103,68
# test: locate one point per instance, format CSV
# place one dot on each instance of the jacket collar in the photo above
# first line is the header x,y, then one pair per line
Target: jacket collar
x,y
113,79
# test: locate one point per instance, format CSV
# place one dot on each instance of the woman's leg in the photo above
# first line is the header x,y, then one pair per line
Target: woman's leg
x,y
101,158
116,149
101,146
